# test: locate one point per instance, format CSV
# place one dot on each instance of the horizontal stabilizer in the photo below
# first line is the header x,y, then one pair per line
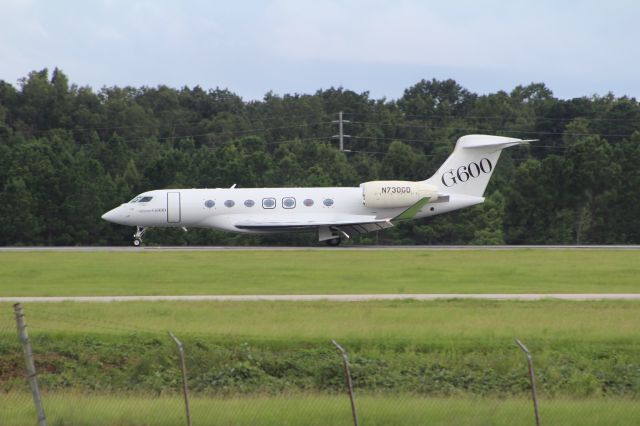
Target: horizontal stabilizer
x,y
484,141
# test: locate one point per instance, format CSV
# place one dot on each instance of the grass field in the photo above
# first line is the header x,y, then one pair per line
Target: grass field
x,y
408,322
438,362
441,348
318,272
319,410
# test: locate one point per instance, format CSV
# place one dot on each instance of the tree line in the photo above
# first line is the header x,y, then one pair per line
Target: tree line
x,y
69,153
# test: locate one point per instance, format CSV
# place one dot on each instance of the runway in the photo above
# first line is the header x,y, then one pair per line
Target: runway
x,y
324,297
150,249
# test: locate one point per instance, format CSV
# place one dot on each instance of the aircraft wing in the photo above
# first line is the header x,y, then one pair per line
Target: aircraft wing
x,y
347,223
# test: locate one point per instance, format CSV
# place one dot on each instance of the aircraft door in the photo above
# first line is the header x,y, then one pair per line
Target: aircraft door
x,y
173,207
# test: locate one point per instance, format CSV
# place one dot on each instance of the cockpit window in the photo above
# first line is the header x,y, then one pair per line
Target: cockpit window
x,y
135,199
145,199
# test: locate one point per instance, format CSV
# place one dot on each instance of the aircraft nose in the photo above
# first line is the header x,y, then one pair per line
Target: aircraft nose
x,y
112,215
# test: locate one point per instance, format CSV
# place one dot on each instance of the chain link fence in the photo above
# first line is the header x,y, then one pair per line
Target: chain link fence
x,y
102,371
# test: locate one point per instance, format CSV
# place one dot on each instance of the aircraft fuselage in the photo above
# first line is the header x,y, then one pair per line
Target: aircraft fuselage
x,y
224,208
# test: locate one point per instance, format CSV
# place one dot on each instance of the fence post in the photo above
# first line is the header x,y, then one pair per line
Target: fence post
x,y
347,375
28,359
183,366
532,379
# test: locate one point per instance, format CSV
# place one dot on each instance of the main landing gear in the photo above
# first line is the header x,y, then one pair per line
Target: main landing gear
x,y
137,237
334,242
332,235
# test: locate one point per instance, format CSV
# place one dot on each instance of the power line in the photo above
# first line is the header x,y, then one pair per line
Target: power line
x,y
270,117
372,138
464,117
320,139
237,133
392,139
349,151
469,129
157,125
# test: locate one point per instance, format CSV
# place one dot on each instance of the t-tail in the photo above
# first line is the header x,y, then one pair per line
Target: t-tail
x,y
468,169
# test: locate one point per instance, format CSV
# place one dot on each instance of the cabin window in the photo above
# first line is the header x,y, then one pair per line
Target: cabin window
x,y
209,204
249,203
229,203
145,199
308,202
288,202
268,203
328,202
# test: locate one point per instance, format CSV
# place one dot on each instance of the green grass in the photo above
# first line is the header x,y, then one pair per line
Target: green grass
x,y
16,409
380,321
442,362
319,272
440,348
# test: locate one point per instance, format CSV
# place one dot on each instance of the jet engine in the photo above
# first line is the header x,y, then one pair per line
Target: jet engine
x,y
388,194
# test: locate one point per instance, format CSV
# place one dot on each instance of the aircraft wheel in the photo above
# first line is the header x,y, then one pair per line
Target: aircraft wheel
x,y
137,242
334,242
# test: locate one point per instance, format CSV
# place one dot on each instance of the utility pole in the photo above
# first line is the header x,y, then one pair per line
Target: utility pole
x,y
341,134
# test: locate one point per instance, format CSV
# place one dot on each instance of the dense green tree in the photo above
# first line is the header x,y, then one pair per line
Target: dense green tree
x,y
441,99
624,210
399,162
489,221
20,225
69,153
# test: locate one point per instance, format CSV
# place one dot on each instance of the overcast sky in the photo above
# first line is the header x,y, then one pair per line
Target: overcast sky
x,y
576,48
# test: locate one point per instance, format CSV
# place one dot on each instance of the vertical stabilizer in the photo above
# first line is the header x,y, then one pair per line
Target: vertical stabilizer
x,y
468,169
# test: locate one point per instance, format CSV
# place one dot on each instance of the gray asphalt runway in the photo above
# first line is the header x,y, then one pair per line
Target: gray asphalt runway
x,y
324,297
279,248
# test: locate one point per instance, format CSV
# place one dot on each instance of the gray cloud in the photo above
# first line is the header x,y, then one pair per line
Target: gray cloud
x,y
577,48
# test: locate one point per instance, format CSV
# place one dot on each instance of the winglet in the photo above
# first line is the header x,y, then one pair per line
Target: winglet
x,y
413,210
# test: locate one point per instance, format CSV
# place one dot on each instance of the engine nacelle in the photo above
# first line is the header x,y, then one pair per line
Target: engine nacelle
x,y
388,194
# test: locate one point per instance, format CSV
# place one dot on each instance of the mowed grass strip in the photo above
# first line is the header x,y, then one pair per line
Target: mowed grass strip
x,y
381,322
17,409
318,272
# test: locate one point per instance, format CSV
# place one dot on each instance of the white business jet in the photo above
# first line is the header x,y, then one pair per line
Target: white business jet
x,y
335,213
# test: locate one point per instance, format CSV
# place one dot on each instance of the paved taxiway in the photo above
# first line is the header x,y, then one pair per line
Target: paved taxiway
x,y
324,297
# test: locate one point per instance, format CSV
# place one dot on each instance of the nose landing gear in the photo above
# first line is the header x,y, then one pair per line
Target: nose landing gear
x,y
137,237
